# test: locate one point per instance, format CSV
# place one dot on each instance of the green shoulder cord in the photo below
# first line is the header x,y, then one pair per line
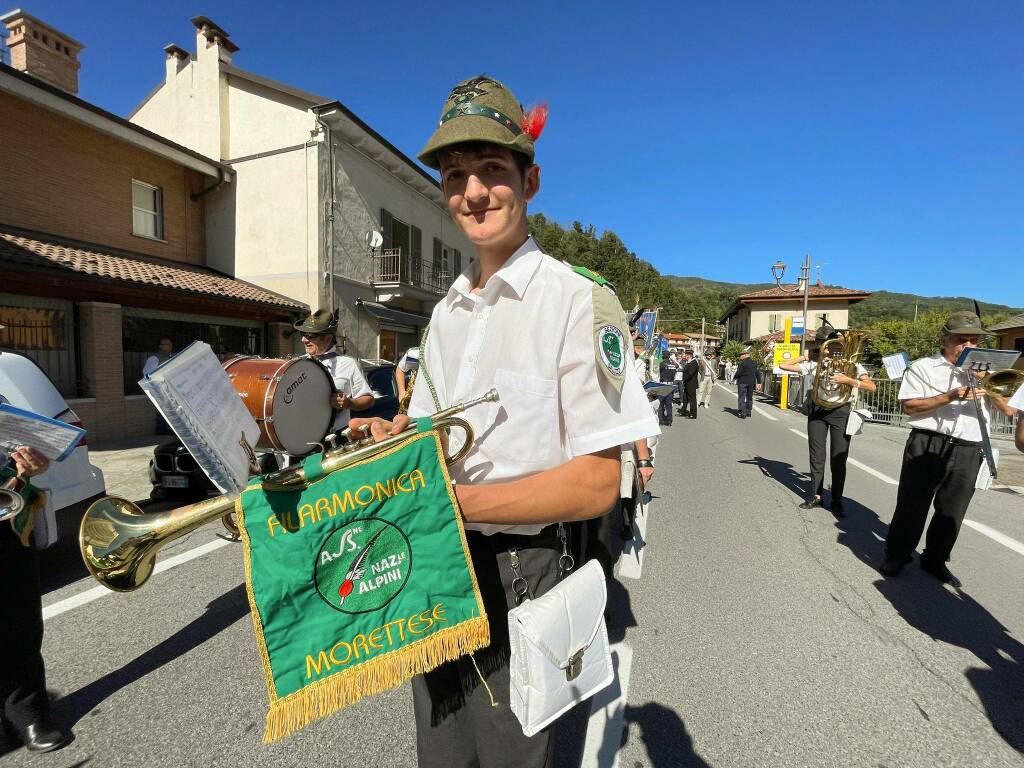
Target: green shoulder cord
x,y
423,368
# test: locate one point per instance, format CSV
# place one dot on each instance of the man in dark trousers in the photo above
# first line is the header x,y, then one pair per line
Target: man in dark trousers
x,y
691,373
669,366
943,452
746,380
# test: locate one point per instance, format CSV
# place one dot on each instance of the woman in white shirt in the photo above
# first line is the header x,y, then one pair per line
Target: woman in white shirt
x,y
825,422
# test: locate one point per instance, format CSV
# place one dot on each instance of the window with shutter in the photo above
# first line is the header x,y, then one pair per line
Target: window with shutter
x,y
385,228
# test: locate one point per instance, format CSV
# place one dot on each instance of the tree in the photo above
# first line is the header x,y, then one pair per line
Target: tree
x,y
917,338
731,351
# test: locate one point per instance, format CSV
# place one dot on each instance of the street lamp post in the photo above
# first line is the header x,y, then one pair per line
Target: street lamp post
x,y
803,284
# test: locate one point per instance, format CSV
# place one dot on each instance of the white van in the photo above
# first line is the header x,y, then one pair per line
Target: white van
x,y
68,482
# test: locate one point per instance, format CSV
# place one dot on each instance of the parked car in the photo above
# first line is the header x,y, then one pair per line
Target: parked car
x,y
69,482
175,474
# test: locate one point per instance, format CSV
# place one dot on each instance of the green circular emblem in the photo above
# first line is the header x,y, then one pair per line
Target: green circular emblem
x,y
362,566
612,345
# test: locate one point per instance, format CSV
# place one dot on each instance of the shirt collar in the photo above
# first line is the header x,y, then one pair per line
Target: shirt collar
x,y
517,272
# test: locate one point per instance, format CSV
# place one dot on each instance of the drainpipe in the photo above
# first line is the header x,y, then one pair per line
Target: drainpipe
x,y
330,213
195,197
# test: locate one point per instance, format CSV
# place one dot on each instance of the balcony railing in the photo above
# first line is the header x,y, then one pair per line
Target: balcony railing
x,y
391,266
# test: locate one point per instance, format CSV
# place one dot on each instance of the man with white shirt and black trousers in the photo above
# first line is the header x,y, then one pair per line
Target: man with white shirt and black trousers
x,y
668,374
553,340
943,452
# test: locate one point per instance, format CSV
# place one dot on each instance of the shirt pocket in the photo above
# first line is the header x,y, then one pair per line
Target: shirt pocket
x,y
524,418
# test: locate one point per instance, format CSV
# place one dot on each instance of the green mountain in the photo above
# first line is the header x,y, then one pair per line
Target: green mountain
x,y
881,305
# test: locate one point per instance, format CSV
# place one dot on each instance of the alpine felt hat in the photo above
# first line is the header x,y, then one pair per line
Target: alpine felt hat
x,y
321,321
481,109
963,322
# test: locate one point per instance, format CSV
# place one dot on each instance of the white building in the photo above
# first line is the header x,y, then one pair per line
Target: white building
x,y
762,313
313,184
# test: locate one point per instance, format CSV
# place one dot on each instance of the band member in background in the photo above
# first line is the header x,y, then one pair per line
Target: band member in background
x,y
553,341
667,375
709,370
405,370
746,378
824,424
24,706
352,392
943,452
691,375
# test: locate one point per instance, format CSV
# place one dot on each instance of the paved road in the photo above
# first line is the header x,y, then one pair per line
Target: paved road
x,y
758,634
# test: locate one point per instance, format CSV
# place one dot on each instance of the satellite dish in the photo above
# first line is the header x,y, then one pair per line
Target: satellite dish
x,y
374,239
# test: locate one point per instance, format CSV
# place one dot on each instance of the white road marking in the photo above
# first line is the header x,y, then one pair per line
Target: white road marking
x,y
607,714
995,535
75,601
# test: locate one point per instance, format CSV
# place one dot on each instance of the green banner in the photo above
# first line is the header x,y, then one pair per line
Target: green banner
x,y
358,582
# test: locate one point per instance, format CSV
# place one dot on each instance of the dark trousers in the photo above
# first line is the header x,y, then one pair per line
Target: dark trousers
x,y
665,409
456,726
22,675
690,401
745,399
934,469
822,424
682,394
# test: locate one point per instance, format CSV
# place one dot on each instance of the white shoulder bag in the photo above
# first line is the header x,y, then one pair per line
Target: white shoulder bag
x,y
560,653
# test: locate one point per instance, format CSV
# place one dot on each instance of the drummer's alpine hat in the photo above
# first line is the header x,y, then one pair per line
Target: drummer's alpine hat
x,y
965,323
482,109
321,321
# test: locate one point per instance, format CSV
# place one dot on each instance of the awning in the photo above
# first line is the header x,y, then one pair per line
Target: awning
x,y
393,316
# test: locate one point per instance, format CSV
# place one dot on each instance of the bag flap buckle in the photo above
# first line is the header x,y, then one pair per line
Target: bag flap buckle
x,y
572,671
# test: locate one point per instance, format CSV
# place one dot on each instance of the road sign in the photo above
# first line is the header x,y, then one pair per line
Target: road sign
x,y
798,324
785,353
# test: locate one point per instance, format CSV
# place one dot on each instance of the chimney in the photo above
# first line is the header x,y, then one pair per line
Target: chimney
x,y
211,38
177,59
42,51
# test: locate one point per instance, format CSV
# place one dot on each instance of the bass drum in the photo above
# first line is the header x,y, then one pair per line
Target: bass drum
x,y
290,400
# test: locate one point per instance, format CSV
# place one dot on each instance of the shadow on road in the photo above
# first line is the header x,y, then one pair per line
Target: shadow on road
x,y
220,614
952,617
781,472
663,734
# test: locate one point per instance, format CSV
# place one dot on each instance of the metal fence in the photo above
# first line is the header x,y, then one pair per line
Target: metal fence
x,y
391,266
884,404
50,340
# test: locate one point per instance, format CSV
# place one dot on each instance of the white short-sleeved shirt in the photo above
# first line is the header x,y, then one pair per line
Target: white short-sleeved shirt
x,y
934,375
410,360
808,368
1017,401
348,379
529,333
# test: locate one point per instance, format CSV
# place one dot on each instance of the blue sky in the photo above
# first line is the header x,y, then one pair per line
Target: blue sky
x,y
885,139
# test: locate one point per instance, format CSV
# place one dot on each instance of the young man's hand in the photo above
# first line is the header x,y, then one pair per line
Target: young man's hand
x,y
646,473
381,429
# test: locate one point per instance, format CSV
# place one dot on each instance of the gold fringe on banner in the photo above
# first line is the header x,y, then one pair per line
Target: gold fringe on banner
x,y
390,670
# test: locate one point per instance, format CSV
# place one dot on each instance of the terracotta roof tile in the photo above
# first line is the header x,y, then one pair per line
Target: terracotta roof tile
x,y
818,291
39,250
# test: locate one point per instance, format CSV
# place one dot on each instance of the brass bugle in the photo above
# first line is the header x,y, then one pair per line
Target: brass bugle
x,y
119,542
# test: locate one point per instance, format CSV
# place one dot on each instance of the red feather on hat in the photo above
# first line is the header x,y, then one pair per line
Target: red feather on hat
x,y
534,121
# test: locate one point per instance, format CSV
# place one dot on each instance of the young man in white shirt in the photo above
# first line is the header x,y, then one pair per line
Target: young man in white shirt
x,y
824,423
943,453
555,345
1017,403
352,392
405,370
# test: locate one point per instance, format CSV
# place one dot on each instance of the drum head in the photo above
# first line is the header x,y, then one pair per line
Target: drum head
x,y
301,409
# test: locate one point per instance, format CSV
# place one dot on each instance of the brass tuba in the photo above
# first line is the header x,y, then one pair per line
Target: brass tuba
x,y
1002,383
119,541
839,355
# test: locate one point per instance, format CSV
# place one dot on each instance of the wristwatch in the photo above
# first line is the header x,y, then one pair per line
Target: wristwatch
x,y
644,463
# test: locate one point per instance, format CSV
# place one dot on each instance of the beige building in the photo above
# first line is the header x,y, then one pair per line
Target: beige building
x,y
760,313
321,208
1010,334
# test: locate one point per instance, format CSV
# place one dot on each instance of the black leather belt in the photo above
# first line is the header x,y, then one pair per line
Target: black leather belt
x,y
546,538
947,438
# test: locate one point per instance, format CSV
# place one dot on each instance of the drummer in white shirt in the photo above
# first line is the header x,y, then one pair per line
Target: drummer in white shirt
x,y
352,392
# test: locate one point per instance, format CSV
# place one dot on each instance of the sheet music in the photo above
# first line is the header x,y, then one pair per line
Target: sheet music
x,y
987,359
195,396
896,365
53,438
